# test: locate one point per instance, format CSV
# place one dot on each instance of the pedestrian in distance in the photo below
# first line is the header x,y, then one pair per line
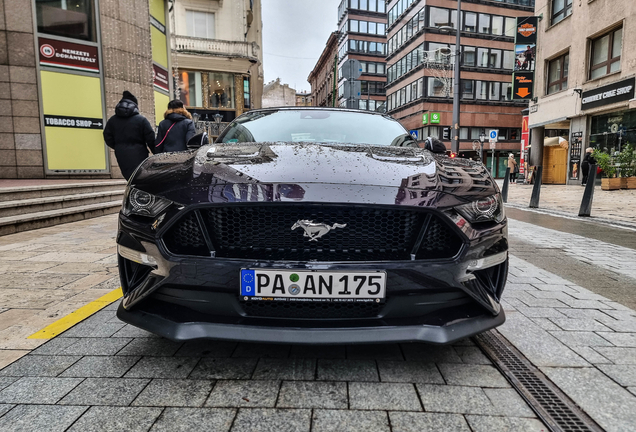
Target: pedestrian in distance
x,y
129,134
585,165
514,168
175,130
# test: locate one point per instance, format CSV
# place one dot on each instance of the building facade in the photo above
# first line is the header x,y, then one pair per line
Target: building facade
x,y
63,68
276,94
304,99
591,104
420,58
217,57
362,26
322,78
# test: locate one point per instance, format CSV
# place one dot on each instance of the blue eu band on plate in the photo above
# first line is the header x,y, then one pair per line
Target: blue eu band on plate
x,y
319,285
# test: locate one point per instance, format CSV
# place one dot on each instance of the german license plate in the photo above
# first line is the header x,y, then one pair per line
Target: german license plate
x,y
316,285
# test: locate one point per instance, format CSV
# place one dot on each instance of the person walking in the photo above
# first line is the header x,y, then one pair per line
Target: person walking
x,y
585,165
514,167
175,130
129,134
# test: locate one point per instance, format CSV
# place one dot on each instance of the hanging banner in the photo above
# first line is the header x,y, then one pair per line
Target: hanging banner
x,y
68,55
525,141
525,57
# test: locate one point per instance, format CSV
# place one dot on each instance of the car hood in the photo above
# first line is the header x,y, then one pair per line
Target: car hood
x,y
306,165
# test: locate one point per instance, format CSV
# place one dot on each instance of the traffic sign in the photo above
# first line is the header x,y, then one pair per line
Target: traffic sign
x,y
414,133
352,89
493,144
493,134
351,69
435,118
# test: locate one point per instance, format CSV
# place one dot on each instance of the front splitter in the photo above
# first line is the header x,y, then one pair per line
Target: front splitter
x,y
309,336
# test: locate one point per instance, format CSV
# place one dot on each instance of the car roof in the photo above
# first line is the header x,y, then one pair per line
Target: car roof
x,y
300,108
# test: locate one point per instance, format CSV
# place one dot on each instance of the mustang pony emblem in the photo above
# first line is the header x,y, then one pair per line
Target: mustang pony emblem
x,y
315,230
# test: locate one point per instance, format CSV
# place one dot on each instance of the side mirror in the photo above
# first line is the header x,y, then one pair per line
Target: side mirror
x,y
198,141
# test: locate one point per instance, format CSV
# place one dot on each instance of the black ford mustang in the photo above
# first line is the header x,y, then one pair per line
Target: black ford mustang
x,y
312,225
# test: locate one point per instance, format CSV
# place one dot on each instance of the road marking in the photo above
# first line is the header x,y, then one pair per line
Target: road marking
x,y
75,317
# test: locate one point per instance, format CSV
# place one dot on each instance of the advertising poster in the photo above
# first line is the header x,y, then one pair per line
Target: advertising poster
x,y
68,55
73,123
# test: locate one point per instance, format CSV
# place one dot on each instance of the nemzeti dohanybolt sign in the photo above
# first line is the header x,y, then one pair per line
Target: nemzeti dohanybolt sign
x,y
609,94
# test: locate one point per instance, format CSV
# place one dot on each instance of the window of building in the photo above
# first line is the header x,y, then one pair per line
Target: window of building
x,y
353,25
495,94
69,18
508,60
606,54
560,10
470,21
497,25
484,23
511,27
246,93
463,133
558,74
470,56
221,90
200,24
467,89
474,133
438,17
481,90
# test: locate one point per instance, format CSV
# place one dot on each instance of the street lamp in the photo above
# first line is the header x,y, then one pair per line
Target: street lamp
x,y
482,138
455,126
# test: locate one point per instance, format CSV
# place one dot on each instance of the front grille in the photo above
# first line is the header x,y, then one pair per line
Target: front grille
x,y
265,232
311,310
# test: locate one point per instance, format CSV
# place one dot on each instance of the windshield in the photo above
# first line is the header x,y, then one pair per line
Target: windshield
x,y
328,126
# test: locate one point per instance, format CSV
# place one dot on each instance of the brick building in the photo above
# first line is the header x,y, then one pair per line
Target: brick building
x,y
362,24
323,75
421,34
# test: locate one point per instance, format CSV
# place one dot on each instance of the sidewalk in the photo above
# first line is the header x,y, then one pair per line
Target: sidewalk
x,y
618,205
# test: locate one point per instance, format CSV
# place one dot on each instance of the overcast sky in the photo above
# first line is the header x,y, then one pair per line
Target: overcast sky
x,y
295,33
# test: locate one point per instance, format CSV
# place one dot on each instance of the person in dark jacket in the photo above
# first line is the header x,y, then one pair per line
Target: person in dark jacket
x,y
585,165
176,130
129,134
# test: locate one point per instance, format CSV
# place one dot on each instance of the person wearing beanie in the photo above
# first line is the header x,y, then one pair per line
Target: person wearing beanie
x,y
175,130
129,134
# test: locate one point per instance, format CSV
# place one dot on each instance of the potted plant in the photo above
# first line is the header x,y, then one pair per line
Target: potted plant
x,y
627,165
605,162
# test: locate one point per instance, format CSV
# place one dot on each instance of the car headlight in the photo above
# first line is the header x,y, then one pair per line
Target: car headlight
x,y
489,209
142,203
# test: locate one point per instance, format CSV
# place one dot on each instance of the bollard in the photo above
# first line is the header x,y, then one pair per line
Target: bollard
x,y
536,190
588,193
504,189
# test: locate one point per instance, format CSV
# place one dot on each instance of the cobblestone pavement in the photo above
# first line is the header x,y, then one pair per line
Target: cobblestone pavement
x,y
617,205
50,272
105,375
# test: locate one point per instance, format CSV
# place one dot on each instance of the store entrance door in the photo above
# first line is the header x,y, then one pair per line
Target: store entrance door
x,y
555,160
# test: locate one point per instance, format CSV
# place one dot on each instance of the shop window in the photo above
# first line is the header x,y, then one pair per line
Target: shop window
x,y
200,24
560,10
558,74
221,90
246,93
190,88
606,54
69,18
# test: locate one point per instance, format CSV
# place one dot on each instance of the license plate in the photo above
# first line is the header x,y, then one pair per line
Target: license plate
x,y
316,285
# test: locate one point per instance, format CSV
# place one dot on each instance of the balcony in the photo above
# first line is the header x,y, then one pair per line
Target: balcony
x,y
215,47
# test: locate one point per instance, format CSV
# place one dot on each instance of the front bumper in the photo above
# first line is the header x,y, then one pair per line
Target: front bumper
x,y
181,331
188,297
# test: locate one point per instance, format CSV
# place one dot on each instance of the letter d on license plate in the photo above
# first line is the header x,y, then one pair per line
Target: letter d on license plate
x,y
292,284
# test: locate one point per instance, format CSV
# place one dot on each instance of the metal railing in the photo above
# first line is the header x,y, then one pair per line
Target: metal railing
x,y
249,50
212,128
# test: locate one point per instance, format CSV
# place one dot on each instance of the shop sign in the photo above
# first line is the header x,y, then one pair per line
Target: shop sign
x,y
156,24
73,122
526,30
522,84
160,78
576,145
435,118
68,55
425,118
525,138
609,94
